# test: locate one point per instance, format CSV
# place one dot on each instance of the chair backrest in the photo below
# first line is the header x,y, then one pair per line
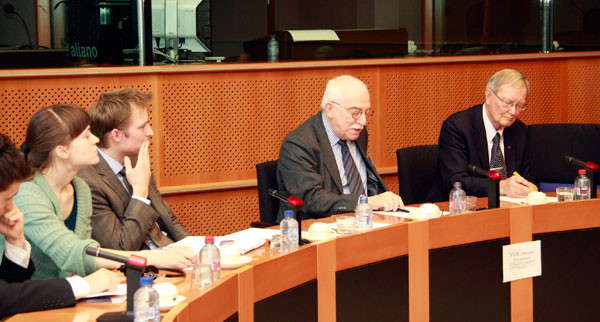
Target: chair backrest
x,y
266,175
416,172
549,143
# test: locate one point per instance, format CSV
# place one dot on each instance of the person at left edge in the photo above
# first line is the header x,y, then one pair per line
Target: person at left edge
x,y
17,293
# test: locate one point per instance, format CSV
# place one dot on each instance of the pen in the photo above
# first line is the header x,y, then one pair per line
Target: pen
x,y
518,175
403,210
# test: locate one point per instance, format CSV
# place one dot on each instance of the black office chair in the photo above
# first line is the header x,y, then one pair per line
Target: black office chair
x,y
549,143
266,175
416,172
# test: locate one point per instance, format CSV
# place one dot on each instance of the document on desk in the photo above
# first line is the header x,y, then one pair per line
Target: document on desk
x,y
246,240
523,200
521,260
117,296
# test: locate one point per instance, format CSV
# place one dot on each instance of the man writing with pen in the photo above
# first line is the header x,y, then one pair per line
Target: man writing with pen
x,y
489,136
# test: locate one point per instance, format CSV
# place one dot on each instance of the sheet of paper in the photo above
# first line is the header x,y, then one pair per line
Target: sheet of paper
x,y
117,296
521,260
333,225
394,214
523,200
313,35
246,240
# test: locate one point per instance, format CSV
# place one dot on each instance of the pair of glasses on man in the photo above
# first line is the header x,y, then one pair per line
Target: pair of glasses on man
x,y
355,111
518,107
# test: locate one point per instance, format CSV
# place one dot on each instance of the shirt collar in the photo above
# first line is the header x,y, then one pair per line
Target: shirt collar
x,y
114,165
490,130
333,138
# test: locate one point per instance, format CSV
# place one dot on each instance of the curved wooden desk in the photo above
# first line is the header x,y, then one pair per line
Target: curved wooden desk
x,y
445,269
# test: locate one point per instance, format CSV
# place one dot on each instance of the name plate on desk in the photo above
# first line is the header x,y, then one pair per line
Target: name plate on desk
x,y
521,260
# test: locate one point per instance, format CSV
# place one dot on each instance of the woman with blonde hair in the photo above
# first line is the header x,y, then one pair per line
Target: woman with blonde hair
x,y
57,204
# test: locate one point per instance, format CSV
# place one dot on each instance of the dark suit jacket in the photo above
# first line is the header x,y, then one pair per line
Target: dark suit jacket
x,y
307,170
120,222
462,142
17,294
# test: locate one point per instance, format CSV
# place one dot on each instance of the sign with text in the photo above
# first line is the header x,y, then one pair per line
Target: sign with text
x,y
521,260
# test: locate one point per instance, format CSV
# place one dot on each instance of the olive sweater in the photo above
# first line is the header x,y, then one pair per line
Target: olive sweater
x,y
56,251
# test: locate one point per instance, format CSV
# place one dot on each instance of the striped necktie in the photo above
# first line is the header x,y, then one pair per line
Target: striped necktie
x,y
355,183
497,161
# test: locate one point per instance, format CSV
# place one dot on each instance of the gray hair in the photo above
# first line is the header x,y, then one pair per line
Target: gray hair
x,y
507,77
333,91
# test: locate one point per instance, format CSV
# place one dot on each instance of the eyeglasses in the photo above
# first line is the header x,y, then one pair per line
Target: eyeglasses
x,y
518,107
355,111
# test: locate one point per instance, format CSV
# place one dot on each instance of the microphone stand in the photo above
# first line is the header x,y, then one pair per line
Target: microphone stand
x,y
296,204
134,267
493,185
590,172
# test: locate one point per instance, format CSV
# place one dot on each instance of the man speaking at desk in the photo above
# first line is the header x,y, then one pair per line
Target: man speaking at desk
x,y
489,136
128,211
17,294
324,161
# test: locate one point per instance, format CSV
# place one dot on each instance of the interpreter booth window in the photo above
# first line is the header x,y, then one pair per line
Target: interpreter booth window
x,y
68,33
107,33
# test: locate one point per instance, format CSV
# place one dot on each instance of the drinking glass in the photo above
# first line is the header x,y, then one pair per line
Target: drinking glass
x,y
564,194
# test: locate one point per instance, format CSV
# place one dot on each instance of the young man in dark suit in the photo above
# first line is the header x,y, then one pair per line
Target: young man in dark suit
x,y
324,161
17,293
128,211
489,136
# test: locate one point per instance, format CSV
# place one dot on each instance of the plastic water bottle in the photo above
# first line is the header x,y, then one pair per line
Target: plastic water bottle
x,y
363,219
145,302
289,227
582,189
273,49
211,256
458,200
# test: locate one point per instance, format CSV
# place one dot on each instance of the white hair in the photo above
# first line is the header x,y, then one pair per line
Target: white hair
x,y
335,86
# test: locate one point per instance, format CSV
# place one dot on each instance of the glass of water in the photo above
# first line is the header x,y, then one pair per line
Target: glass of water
x,y
279,244
201,277
564,194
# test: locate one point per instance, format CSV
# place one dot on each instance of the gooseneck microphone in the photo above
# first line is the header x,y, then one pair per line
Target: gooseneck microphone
x,y
297,204
10,9
132,260
490,174
590,168
493,188
579,163
289,199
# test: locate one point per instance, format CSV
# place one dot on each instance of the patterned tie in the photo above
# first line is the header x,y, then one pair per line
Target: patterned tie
x,y
125,182
154,231
497,162
355,183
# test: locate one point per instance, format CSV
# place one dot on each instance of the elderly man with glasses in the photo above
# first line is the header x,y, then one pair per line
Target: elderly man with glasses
x,y
490,136
324,161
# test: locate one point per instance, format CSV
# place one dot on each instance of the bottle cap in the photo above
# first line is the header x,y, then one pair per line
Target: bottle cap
x,y
288,213
457,184
582,171
363,198
209,240
146,280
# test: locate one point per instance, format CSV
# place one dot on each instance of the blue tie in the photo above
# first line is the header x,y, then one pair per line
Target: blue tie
x,y
497,161
355,183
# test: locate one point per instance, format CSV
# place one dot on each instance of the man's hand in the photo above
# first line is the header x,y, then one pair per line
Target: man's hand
x,y
387,201
102,280
179,257
11,226
516,186
139,177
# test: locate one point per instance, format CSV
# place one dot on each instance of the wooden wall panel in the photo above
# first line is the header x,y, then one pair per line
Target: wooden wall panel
x,y
213,123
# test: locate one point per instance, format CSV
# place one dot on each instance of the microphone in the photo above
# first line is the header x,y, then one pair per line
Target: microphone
x,y
493,184
289,199
579,163
10,9
490,174
132,260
